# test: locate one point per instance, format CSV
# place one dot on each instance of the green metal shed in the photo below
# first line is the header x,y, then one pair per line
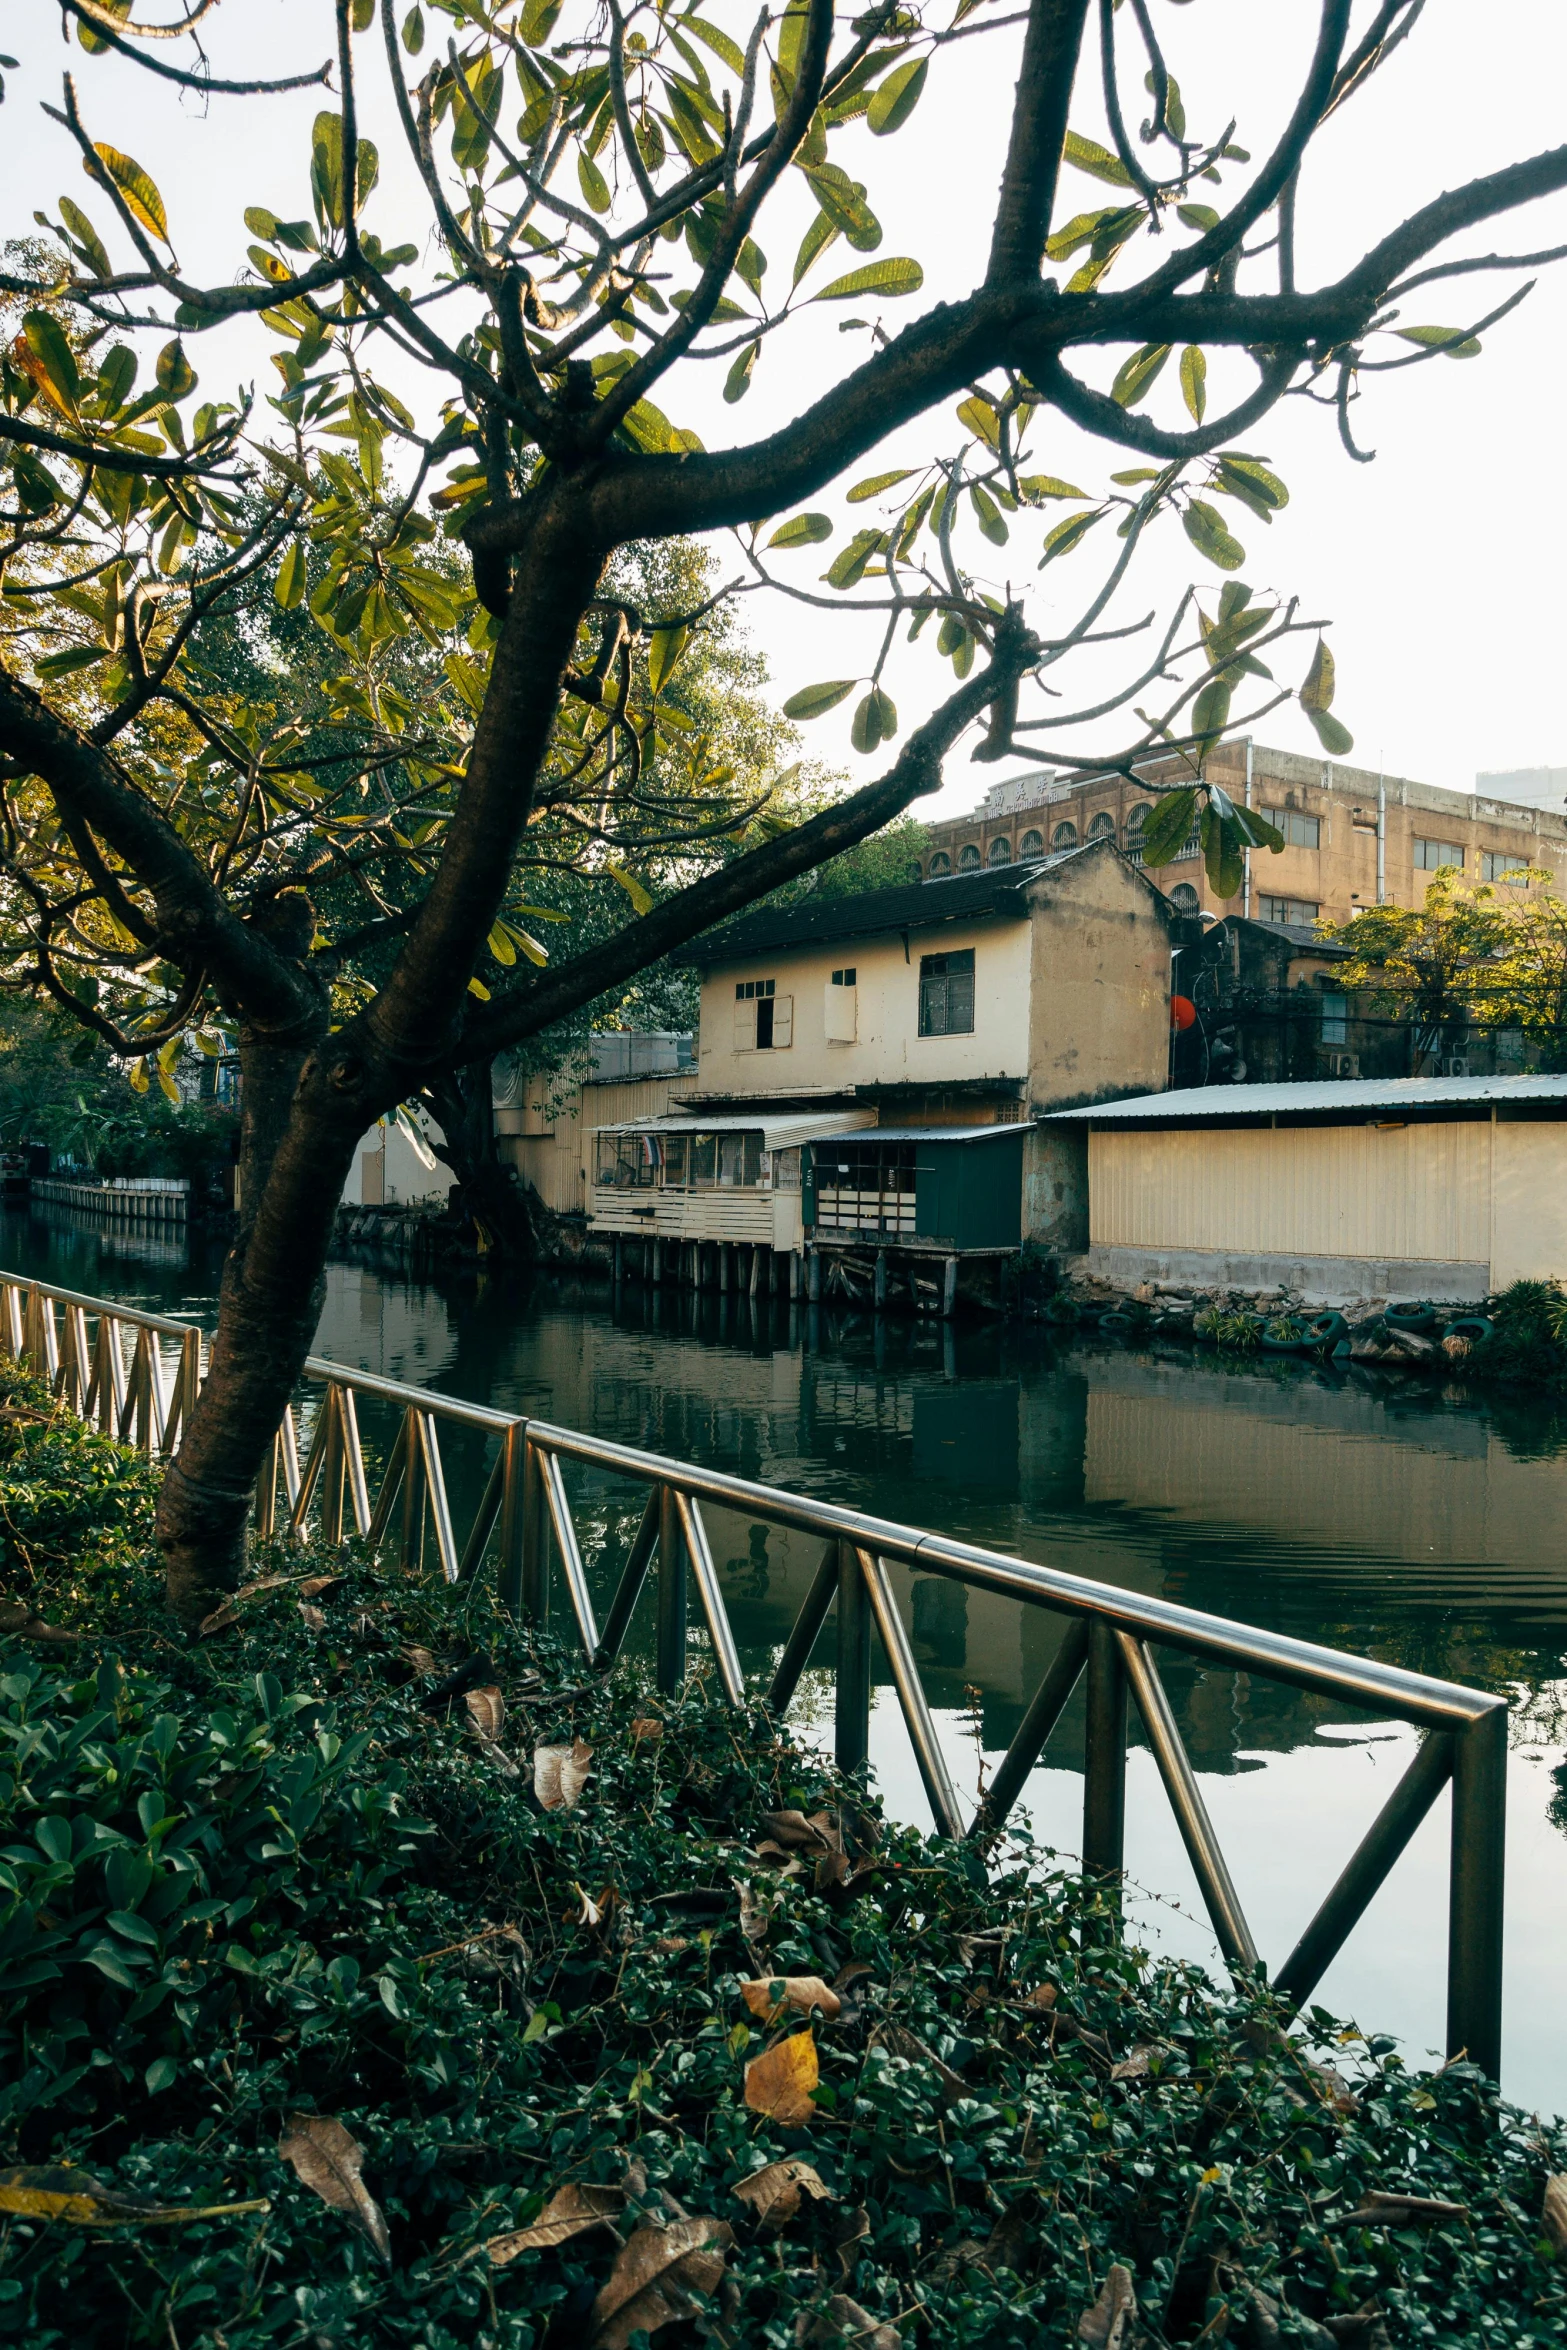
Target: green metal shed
x,y
947,1187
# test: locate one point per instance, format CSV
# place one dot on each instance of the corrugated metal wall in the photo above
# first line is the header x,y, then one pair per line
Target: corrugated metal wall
x,y
1336,1191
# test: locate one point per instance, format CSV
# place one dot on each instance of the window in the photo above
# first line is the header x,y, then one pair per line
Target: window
x,y
968,858
1064,837
1300,832
839,1013
1137,819
1297,910
1102,825
1001,852
947,994
848,977
1335,1019
764,1020
1032,844
1504,865
940,864
1184,898
1432,855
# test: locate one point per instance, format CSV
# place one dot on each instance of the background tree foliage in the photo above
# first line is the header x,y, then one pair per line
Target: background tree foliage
x,y
483,423
1488,956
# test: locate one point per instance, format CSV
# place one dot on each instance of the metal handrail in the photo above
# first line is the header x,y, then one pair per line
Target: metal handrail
x,y
525,1515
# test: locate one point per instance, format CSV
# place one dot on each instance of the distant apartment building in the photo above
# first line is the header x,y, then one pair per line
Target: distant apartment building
x,y
1352,838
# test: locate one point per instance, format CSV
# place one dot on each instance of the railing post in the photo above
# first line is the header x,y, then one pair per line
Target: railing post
x,y
508,1581
671,1596
534,1567
1104,1756
1474,1946
332,1471
852,1719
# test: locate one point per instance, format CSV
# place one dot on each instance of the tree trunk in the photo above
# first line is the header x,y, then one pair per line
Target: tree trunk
x,y
494,1200
296,1148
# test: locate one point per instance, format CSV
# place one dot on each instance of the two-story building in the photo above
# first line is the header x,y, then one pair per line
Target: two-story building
x,y
870,1069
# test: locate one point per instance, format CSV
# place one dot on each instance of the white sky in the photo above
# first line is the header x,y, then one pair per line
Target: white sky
x,y
1438,566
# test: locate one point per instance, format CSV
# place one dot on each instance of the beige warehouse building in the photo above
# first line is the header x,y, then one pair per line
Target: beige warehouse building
x,y
1441,1187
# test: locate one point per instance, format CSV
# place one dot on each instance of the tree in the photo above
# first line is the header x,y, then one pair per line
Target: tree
x,y
178,844
1492,956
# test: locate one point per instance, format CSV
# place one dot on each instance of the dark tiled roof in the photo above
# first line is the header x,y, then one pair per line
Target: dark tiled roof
x,y
917,905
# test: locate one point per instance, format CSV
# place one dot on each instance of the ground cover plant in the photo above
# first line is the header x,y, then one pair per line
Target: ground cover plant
x,y
370,1975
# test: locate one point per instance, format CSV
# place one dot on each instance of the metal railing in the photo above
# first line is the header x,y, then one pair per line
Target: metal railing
x,y
525,1517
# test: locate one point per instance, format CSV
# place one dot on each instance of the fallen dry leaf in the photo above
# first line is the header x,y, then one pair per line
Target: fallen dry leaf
x,y
1134,2065
793,1830
422,1660
755,1916
655,2280
646,1730
849,2230
560,1773
1553,2216
898,2042
779,2082
229,1613
486,1710
311,1617
63,2193
327,2159
1043,1995
1108,2325
1399,2211
570,2211
844,2320
19,1623
770,1997
313,1585
774,2193
851,1973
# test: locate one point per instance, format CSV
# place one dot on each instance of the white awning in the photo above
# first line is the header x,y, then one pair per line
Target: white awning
x,y
780,1130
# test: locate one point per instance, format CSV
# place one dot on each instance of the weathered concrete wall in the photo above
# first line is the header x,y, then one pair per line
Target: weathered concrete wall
x,y
1099,992
1055,1189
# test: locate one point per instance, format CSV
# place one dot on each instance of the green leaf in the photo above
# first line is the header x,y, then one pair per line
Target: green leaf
x,y
720,43
822,232
1252,482
738,381
75,657
1205,526
982,419
537,21
413,31
892,278
802,530
1194,381
176,376
137,191
1167,829
1221,851
751,266
476,102
1068,534
1451,341
1331,733
640,898
1048,485
843,201
1136,376
875,721
877,482
849,566
161,2074
895,99
814,701
91,245
667,646
1211,711
1089,156
500,946
290,588
987,514
46,340
1316,695
1198,216
594,186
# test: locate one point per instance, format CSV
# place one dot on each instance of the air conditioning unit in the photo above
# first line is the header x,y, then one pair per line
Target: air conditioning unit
x,y
1455,1065
1343,1064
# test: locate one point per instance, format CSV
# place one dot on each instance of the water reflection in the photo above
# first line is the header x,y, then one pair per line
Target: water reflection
x,y
1364,1510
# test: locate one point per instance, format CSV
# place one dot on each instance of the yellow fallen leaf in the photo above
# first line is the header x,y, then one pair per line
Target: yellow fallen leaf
x,y
769,1997
779,2083
60,2192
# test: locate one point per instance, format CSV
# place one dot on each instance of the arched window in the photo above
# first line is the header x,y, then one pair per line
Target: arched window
x,y
1184,898
1103,824
1001,851
1137,819
1032,844
968,858
940,863
1064,837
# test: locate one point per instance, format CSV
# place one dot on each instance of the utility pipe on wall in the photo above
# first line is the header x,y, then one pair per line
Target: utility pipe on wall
x,y
1381,835
1246,853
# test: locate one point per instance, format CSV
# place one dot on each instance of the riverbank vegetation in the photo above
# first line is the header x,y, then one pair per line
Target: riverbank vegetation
x,y
370,1974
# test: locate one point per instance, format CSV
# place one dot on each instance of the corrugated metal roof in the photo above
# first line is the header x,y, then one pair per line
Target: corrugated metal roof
x,y
780,1130
1349,1097
947,1133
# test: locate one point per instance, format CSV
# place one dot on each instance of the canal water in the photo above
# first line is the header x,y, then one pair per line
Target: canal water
x,y
1364,1509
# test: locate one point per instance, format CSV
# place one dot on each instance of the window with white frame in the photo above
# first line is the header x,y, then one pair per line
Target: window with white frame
x,y
764,1019
1300,832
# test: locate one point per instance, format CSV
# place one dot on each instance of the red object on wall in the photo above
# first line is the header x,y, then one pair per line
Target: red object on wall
x,y
1183,1012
